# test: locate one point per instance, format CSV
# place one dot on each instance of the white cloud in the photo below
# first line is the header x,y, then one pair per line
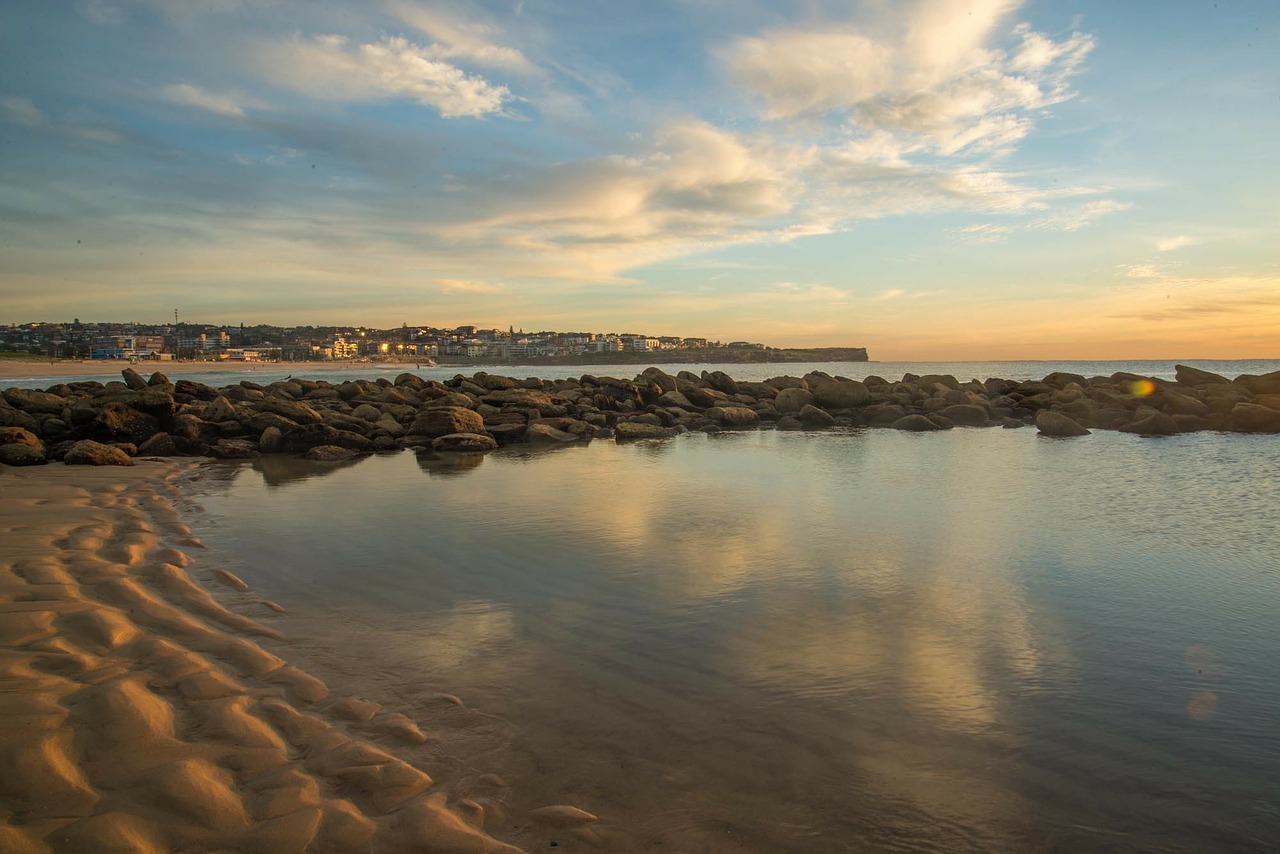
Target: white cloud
x,y
1169,244
230,106
21,111
1142,271
459,38
983,234
934,83
331,67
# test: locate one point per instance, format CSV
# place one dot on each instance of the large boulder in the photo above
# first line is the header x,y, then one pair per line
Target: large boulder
x,y
17,454
443,420
965,414
541,433
518,397
20,436
1265,384
133,379
87,452
329,454
841,394
814,418
299,413
733,416
1189,376
1253,418
660,378
1057,425
1151,423
626,430
306,436
10,417
720,381
35,402
677,399
119,423
916,424
159,445
792,398
199,391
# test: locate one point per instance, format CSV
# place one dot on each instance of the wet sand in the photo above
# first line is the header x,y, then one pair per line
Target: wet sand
x,y
140,713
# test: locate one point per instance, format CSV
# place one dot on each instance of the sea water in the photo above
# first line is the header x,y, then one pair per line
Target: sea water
x,y
975,640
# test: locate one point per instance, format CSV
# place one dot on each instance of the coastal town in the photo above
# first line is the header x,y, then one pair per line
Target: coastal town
x,y
200,341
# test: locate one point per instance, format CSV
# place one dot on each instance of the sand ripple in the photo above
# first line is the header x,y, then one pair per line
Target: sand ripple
x,y
138,715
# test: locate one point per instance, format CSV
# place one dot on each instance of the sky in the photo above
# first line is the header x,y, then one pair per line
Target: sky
x,y
930,179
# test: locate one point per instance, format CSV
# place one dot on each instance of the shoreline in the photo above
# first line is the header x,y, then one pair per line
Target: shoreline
x,y
141,713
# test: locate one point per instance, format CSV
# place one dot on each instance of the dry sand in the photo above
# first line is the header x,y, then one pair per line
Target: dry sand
x,y
112,367
138,714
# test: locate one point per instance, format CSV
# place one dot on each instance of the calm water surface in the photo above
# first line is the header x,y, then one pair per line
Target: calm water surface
x,y
964,371
978,640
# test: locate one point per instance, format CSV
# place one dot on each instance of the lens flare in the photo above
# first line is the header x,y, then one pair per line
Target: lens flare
x,y
1142,388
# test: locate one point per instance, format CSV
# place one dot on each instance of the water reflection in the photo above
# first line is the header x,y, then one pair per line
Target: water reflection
x,y
863,641
282,469
448,465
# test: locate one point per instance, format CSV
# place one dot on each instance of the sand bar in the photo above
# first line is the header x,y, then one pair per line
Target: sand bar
x,y
139,714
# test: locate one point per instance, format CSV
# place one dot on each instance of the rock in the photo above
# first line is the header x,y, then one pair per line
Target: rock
x,y
21,436
518,397
883,414
915,424
1061,379
839,394
118,422
18,454
507,434
158,379
1253,418
10,417
787,382
233,449
329,454
1152,424
199,391
965,414
675,398
1186,375
35,402
733,416
133,379
445,420
720,381
626,430
1057,425
299,413
1265,384
366,412
220,409
305,436
792,398
814,418
87,452
159,445
475,443
541,433
660,378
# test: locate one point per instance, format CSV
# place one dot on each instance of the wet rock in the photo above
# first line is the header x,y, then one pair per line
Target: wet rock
x,y
445,420
304,437
133,379
814,418
1151,423
540,433
196,390
20,436
792,399
627,430
19,454
733,416
117,422
841,395
464,443
329,453
233,449
915,424
87,452
159,445
507,434
1254,418
1057,425
965,414
34,402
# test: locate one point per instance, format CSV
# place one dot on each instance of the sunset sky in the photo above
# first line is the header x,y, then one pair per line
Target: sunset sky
x,y
940,179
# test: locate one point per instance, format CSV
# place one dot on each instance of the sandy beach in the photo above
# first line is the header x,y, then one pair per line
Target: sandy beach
x,y
111,369
139,713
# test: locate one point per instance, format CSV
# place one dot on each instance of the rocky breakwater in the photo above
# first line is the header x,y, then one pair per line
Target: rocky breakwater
x,y
111,423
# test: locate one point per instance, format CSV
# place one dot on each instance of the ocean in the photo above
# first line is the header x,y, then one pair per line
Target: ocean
x,y
979,640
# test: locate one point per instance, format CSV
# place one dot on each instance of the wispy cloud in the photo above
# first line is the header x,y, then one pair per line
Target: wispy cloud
x,y
223,104
1170,244
469,286
333,67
